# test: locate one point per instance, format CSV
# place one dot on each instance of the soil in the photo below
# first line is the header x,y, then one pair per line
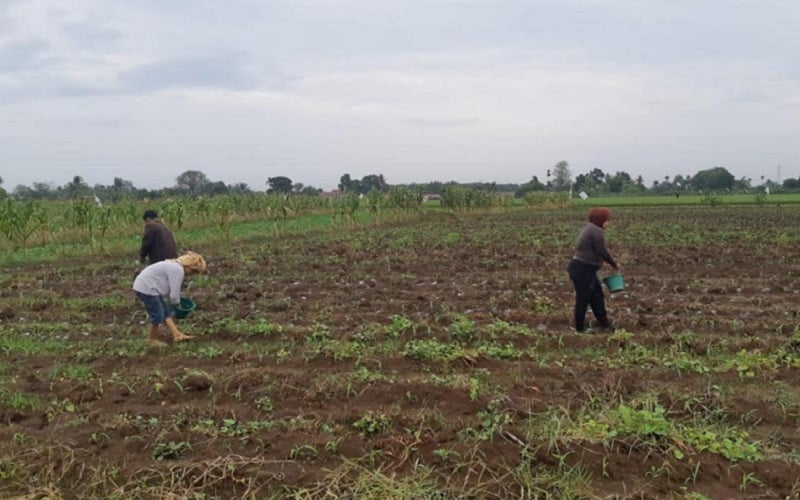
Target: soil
x,y
270,308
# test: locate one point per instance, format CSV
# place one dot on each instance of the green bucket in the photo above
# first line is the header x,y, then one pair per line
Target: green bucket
x,y
614,283
186,306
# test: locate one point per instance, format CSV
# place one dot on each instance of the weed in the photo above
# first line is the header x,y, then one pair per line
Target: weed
x,y
445,453
373,423
491,421
332,446
19,401
171,450
303,452
747,480
71,372
644,423
431,350
730,443
462,328
264,404
399,325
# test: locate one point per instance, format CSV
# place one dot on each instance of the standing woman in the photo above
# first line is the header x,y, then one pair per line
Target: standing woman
x,y
590,253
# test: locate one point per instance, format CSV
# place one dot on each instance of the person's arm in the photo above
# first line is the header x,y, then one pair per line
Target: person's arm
x,y
599,247
175,280
147,244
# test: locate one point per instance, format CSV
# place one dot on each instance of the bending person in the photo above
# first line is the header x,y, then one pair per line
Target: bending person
x,y
163,280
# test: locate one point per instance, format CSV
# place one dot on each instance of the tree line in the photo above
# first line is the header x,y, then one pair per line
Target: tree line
x,y
558,179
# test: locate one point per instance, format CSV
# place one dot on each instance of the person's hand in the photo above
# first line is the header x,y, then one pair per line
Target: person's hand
x,y
136,272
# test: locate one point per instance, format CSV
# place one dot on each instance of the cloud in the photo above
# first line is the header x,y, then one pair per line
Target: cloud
x,y
451,89
220,71
442,122
28,54
90,35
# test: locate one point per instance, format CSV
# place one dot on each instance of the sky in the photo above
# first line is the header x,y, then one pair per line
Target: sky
x,y
416,90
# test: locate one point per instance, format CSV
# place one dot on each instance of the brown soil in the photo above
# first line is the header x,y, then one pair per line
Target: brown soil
x,y
733,290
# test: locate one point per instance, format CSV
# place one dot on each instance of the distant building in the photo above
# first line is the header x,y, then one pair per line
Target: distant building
x,y
332,194
431,197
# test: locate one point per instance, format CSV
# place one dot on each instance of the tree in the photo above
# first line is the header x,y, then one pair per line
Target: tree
x,y
310,191
279,184
77,187
347,185
121,188
742,185
562,177
619,181
215,188
533,185
240,188
594,180
192,180
717,178
23,192
792,184
370,182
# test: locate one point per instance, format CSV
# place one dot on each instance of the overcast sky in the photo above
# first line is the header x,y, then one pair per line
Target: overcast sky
x,y
416,90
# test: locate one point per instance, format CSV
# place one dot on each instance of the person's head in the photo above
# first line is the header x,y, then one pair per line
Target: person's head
x,y
192,262
149,215
600,216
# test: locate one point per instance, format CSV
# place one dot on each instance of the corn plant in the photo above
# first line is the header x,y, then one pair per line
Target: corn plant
x,y
19,221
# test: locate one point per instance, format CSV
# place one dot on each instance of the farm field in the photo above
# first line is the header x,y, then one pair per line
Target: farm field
x,y
425,358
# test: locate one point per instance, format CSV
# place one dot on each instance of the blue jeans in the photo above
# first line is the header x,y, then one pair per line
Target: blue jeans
x,y
156,308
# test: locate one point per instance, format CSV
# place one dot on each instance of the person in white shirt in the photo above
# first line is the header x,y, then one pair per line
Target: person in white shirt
x,y
163,280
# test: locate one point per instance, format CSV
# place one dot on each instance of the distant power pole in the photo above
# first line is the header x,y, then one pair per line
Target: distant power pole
x,y
779,174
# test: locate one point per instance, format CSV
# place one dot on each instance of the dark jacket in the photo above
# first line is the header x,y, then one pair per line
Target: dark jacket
x,y
158,243
591,247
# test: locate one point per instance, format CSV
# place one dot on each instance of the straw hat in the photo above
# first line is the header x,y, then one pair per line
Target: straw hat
x,y
193,261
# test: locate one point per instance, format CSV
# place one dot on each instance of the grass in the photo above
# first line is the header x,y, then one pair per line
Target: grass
x,y
689,200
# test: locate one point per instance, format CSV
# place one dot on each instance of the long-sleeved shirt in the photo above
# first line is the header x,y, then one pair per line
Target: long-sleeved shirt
x,y
591,247
162,278
158,243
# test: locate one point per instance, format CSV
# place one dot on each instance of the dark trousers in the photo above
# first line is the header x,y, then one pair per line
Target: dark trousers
x,y
588,292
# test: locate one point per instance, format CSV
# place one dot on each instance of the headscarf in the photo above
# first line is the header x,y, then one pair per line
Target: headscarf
x,y
193,261
599,215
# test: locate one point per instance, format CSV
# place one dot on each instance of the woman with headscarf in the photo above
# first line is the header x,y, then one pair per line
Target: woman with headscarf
x,y
590,254
163,280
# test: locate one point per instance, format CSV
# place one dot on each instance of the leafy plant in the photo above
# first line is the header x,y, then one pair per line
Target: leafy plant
x,y
645,423
373,423
303,452
431,350
731,444
399,325
264,404
462,328
171,450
